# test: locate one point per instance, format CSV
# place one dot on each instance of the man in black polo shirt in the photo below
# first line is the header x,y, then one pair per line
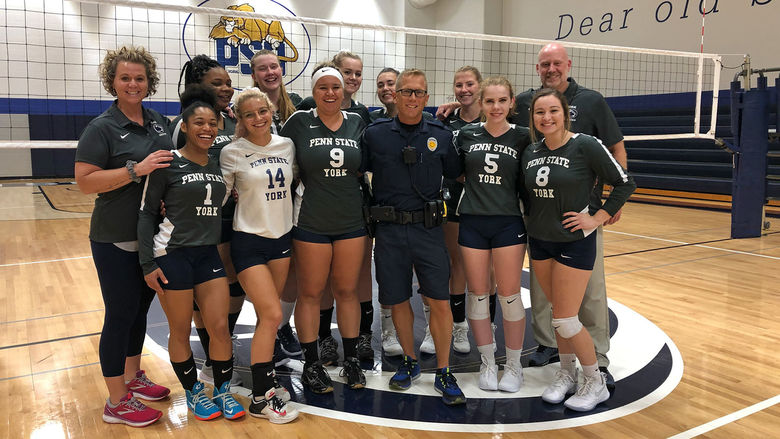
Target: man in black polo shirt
x,y
590,114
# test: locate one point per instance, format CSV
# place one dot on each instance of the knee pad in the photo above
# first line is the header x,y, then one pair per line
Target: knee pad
x,y
512,307
477,306
567,327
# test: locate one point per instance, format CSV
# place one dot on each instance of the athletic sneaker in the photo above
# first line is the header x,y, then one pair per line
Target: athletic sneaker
x,y
608,378
543,355
143,388
227,404
592,392
563,384
407,372
280,391
201,405
427,346
130,411
460,337
329,351
493,327
446,384
272,408
289,341
364,350
356,379
316,378
512,379
207,376
390,344
279,359
488,375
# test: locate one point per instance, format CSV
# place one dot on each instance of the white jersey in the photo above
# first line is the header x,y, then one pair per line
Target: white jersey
x,y
262,176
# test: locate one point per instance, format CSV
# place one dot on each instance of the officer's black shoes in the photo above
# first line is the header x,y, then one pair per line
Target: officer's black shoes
x,y
543,355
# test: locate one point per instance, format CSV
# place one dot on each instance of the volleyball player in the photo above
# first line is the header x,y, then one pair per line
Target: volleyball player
x,y
260,166
267,76
118,148
492,229
559,172
208,72
329,237
179,254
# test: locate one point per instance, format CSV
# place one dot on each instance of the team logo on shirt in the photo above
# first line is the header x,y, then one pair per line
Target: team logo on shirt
x,y
432,144
158,128
573,112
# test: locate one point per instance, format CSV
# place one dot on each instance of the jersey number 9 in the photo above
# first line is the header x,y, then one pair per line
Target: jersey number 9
x,y
337,154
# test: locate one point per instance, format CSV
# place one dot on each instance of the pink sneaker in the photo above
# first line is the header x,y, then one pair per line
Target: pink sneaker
x,y
142,387
130,411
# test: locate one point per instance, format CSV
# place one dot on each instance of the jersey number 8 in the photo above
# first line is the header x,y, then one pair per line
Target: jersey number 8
x,y
543,176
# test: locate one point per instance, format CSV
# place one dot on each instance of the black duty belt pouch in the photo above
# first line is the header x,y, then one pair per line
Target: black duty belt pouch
x,y
383,213
434,213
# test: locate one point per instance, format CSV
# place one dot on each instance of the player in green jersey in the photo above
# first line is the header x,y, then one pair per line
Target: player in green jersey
x,y
329,238
179,255
492,230
559,172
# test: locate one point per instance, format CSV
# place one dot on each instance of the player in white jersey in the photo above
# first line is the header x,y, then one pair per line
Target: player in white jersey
x,y
260,167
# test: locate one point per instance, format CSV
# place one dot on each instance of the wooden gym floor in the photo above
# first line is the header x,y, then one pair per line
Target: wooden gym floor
x,y
718,300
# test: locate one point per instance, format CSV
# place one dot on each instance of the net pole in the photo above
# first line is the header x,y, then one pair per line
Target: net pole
x,y
715,94
700,74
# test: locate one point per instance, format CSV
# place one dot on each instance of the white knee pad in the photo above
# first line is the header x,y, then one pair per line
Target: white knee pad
x,y
478,306
512,307
568,327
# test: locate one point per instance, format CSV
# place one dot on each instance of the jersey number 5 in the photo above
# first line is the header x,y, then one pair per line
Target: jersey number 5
x,y
543,176
491,166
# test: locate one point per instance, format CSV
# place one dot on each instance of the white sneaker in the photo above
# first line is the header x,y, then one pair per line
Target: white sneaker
x,y
512,379
488,375
564,384
427,346
460,337
390,344
592,392
493,327
272,408
207,376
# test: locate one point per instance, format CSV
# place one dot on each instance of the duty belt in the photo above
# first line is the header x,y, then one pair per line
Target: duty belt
x,y
412,217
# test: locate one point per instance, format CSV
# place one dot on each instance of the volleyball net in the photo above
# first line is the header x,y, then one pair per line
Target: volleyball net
x,y
50,51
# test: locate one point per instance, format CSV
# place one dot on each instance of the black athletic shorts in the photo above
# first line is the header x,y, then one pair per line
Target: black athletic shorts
x,y
485,232
186,267
248,249
576,254
307,236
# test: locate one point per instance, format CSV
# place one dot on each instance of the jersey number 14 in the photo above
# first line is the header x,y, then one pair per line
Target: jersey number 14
x,y
279,178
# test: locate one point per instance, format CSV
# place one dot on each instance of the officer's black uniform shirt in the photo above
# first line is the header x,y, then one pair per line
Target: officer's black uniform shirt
x,y
383,142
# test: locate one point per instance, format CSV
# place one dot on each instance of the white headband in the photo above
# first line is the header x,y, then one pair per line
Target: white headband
x,y
325,71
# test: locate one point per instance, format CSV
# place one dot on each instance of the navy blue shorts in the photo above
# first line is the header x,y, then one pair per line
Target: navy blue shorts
x,y
248,249
227,230
576,254
399,248
307,236
186,267
491,231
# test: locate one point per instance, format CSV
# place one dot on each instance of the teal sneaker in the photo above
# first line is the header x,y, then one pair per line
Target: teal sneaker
x,y
201,405
230,408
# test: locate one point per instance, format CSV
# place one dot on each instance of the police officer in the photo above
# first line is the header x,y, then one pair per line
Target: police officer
x,y
408,156
591,115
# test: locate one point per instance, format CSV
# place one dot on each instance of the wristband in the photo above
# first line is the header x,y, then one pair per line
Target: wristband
x,y
130,165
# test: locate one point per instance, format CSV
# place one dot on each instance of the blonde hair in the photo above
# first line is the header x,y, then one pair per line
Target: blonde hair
x,y
286,107
338,58
409,72
470,69
252,93
130,54
501,82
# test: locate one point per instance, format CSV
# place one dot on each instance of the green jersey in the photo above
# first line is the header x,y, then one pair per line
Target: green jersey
x,y
193,196
328,163
561,180
492,169
108,142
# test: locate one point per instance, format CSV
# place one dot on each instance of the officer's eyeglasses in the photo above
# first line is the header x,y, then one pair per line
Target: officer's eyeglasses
x,y
407,92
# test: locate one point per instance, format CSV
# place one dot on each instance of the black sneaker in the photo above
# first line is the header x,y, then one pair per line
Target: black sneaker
x,y
543,355
355,377
279,358
316,378
290,344
364,350
329,351
609,379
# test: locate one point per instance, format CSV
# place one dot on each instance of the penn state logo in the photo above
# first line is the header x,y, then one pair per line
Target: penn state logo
x,y
432,144
573,113
236,39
